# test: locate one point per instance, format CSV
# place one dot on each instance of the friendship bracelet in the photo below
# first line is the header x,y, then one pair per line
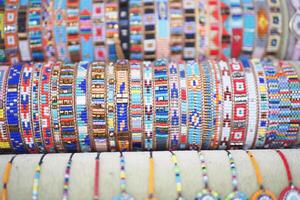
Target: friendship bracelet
x,y
253,106
11,31
66,101
161,115
12,108
262,27
124,27
249,17
4,137
112,29
183,133
136,29
174,104
73,31
111,107
235,194
122,105
207,192
36,179
176,29
54,107
237,24
82,106
293,52
148,105
189,24
263,104
35,107
24,49
96,177
177,177
163,29
6,177
67,178
194,105
227,99
202,31
44,101
262,192
208,104
60,30
25,108
86,30
149,30
214,18
291,190
240,109
136,105
226,29
100,127
123,194
99,33
2,35
48,30
151,178
35,30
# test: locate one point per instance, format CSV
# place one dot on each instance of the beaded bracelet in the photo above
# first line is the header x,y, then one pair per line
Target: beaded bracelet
x,y
177,177
208,105
151,178
82,107
66,100
227,98
189,24
35,30
73,36
98,17
112,28
202,32
149,30
136,29
23,34
35,107
263,104
6,177
214,16
97,105
252,89
235,194
122,105
124,27
262,192
148,105
67,178
161,115
136,105
163,29
291,191
96,177
86,30
12,109
207,192
240,101
36,179
237,25
2,36
195,97
11,31
174,113
123,194
183,133
60,31
111,108
176,29
4,137
44,96
226,29
25,109
54,107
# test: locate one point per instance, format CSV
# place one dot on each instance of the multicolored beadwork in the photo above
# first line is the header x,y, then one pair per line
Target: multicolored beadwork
x,y
36,179
67,178
177,177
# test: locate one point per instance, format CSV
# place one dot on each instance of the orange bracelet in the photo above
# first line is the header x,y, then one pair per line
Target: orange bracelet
x,y
6,177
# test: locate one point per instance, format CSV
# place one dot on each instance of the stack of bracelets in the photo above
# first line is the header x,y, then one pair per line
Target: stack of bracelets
x,y
160,105
98,30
